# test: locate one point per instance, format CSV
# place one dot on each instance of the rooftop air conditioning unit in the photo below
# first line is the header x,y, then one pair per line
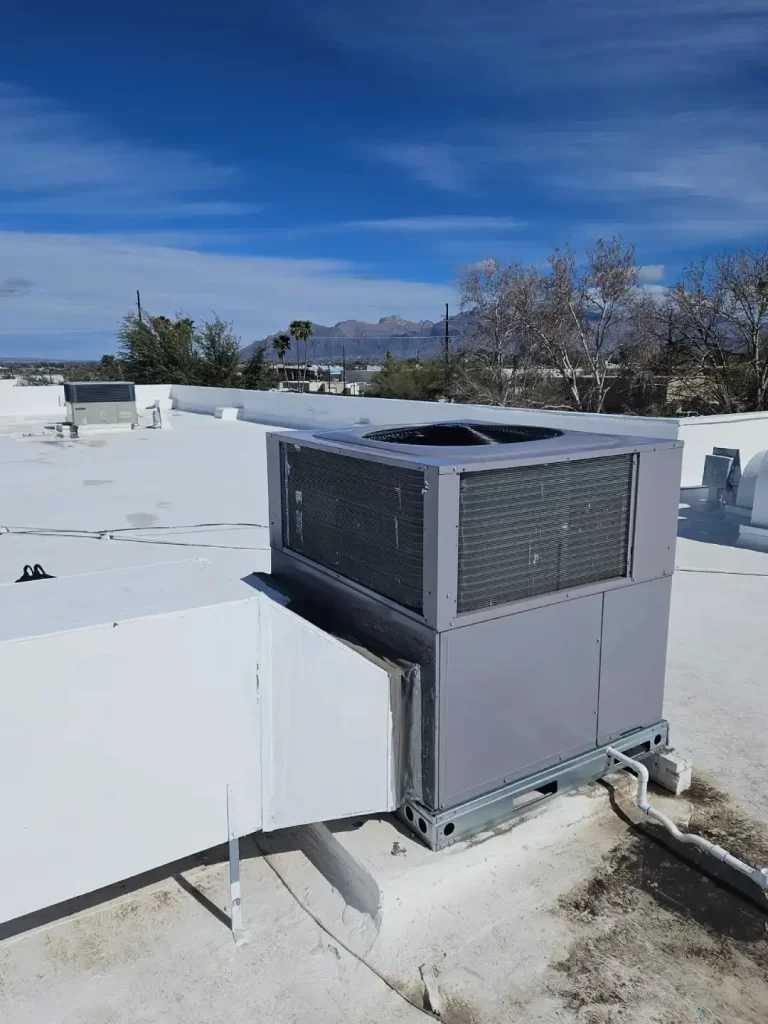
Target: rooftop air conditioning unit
x,y
526,571
101,403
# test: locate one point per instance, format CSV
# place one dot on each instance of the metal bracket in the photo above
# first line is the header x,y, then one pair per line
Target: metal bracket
x,y
235,899
438,830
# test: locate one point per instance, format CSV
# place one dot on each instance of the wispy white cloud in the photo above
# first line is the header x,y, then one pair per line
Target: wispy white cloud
x,y
672,121
124,204
651,273
714,156
461,226
436,164
495,48
721,169
432,225
57,162
696,177
468,268
79,286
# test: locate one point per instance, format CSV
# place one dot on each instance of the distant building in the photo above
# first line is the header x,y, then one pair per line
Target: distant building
x,y
362,376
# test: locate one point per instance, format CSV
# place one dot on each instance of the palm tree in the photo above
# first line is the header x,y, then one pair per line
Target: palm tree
x,y
281,343
302,331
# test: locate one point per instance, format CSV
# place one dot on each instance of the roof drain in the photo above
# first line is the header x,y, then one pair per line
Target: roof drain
x,y
758,875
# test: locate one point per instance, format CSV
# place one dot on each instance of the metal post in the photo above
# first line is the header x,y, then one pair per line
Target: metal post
x,y
446,357
138,304
446,337
235,902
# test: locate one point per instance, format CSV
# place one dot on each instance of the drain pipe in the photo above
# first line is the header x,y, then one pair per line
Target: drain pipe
x,y
758,875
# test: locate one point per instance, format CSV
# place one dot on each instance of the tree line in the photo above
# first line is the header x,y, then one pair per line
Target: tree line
x,y
583,334
157,350
588,335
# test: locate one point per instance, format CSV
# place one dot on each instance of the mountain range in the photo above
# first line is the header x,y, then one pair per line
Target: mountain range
x,y
356,339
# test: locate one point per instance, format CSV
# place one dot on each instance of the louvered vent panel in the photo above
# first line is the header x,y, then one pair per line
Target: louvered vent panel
x,y
99,391
364,520
535,530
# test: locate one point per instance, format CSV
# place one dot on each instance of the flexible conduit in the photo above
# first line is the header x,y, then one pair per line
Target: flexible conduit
x,y
758,875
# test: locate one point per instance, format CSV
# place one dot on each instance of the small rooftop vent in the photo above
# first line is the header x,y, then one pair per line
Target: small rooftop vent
x,y
455,435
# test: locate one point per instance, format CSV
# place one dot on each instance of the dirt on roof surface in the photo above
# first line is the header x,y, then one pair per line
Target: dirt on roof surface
x,y
663,934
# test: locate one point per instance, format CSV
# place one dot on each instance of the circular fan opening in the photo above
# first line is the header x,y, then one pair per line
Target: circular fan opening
x,y
459,435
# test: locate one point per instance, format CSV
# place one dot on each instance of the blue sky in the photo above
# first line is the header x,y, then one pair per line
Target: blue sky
x,y
341,158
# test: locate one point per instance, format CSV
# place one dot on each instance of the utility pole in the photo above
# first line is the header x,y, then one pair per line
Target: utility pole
x,y
445,352
446,355
343,371
138,304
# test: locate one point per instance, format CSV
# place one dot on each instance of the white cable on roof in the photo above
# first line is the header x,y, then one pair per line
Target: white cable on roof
x,y
719,572
118,534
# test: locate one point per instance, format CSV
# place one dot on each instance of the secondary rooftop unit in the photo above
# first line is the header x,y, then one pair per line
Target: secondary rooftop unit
x,y
101,403
526,573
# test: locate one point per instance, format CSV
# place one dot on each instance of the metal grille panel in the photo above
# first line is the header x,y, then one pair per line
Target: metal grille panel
x,y
99,391
362,519
534,530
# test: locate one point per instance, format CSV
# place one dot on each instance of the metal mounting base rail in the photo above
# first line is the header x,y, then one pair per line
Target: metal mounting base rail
x,y
439,830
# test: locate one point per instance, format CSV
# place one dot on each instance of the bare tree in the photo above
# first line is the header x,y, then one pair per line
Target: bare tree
x,y
742,279
578,317
644,357
568,323
717,322
699,359
494,366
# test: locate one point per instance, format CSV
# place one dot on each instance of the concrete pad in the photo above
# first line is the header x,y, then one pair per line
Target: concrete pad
x,y
161,956
465,911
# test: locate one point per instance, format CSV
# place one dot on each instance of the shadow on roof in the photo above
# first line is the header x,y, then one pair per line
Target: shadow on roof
x,y
710,524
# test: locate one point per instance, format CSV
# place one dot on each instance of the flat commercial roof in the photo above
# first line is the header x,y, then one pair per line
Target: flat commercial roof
x,y
195,490
580,912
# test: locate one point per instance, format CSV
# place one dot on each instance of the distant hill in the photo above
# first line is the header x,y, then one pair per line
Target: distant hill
x,y
405,339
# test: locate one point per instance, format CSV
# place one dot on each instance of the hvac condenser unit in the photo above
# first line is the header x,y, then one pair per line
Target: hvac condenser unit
x,y
525,571
101,403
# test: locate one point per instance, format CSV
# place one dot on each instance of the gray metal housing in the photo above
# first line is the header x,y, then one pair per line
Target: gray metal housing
x,y
507,688
102,403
